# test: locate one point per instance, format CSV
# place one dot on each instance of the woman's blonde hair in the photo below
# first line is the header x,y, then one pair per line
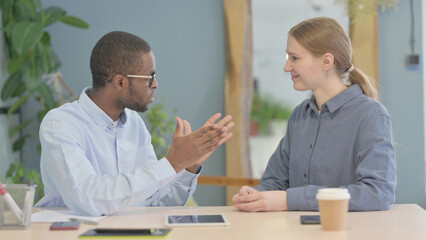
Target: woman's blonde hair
x,y
325,35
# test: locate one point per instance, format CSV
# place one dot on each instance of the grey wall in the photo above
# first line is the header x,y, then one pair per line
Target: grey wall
x,y
188,39
402,89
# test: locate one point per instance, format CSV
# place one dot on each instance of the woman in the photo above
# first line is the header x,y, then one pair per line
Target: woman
x,y
340,137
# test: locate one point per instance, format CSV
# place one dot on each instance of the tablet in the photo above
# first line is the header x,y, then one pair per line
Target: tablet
x,y
195,220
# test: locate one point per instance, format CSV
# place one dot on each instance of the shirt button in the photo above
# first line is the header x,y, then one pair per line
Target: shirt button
x,y
310,146
305,175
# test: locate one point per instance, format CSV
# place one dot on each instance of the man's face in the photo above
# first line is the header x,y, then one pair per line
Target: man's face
x,y
139,94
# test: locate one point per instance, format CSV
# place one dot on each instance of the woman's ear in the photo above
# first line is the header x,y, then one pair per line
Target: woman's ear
x,y
327,61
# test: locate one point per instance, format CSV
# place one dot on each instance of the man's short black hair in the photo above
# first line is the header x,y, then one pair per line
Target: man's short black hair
x,y
116,53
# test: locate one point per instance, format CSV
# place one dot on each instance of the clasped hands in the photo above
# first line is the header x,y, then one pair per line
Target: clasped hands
x,y
250,200
190,149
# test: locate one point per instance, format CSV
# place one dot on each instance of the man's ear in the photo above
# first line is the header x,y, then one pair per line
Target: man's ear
x,y
327,61
119,82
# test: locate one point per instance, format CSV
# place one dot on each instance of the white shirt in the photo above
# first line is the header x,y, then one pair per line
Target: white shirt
x,y
97,167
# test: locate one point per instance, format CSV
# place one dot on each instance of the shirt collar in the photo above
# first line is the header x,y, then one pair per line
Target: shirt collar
x,y
97,114
337,101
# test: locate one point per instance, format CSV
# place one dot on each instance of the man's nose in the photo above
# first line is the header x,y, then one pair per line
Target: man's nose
x,y
154,83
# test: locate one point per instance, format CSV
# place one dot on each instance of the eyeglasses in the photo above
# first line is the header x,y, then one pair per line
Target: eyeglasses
x,y
150,78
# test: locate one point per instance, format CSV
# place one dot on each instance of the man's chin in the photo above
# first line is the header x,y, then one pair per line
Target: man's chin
x,y
140,109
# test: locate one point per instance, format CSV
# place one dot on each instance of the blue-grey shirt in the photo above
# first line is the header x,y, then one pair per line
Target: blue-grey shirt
x,y
96,166
348,144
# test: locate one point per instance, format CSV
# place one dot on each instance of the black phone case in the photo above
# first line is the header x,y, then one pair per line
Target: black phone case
x,y
310,219
119,232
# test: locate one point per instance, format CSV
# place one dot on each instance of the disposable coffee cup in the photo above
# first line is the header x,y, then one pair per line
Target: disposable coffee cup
x,y
333,207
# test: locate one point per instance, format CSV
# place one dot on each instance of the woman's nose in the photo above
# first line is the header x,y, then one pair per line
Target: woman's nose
x,y
287,67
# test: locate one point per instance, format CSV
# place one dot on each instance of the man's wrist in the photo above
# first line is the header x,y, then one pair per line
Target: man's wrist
x,y
193,169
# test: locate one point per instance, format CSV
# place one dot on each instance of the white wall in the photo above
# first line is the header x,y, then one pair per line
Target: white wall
x,y
272,19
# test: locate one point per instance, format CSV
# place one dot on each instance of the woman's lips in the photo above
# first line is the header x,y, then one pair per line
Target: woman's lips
x,y
293,77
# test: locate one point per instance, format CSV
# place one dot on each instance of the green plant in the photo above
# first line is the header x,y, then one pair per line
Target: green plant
x,y
32,64
19,173
161,127
358,8
266,108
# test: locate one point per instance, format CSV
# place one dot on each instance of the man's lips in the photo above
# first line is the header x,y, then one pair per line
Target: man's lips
x,y
151,98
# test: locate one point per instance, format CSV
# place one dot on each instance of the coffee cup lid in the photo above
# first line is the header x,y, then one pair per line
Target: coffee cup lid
x,y
333,194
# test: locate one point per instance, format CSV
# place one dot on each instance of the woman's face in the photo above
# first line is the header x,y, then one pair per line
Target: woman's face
x,y
305,68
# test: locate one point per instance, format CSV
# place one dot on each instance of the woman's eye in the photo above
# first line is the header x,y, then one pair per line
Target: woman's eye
x,y
294,58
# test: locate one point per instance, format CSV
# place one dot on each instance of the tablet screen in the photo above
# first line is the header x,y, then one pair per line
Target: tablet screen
x,y
217,219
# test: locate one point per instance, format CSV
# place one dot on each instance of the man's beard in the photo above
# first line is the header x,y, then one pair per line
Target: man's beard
x,y
133,103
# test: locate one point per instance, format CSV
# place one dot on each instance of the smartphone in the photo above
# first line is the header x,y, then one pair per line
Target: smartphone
x,y
123,232
64,225
310,219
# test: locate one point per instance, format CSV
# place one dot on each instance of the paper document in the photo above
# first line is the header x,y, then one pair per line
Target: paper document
x,y
58,216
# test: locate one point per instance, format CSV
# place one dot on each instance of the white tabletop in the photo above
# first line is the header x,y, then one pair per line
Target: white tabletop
x,y
404,221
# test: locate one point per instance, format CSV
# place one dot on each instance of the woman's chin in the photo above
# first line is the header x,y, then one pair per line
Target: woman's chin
x,y
299,87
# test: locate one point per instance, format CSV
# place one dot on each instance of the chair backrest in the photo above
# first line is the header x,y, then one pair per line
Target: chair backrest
x,y
228,181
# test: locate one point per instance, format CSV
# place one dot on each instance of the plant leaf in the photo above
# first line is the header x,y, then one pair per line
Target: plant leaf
x,y
6,5
46,94
18,144
32,75
42,58
39,149
52,14
75,22
11,86
14,64
37,3
18,128
21,89
17,105
25,35
24,10
46,56
41,114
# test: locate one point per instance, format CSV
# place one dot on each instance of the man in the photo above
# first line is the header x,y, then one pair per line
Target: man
x,y
97,156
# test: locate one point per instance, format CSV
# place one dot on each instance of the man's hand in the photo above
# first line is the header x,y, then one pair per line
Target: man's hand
x,y
212,120
250,200
190,149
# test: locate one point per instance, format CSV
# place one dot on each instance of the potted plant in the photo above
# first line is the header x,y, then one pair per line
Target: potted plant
x,y
161,126
32,67
267,110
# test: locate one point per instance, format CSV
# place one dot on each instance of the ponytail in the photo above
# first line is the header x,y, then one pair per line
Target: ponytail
x,y
368,85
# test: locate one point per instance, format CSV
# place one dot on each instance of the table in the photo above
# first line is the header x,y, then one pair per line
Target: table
x,y
402,221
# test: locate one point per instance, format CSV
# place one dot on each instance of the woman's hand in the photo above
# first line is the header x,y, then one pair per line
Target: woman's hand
x,y
250,200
